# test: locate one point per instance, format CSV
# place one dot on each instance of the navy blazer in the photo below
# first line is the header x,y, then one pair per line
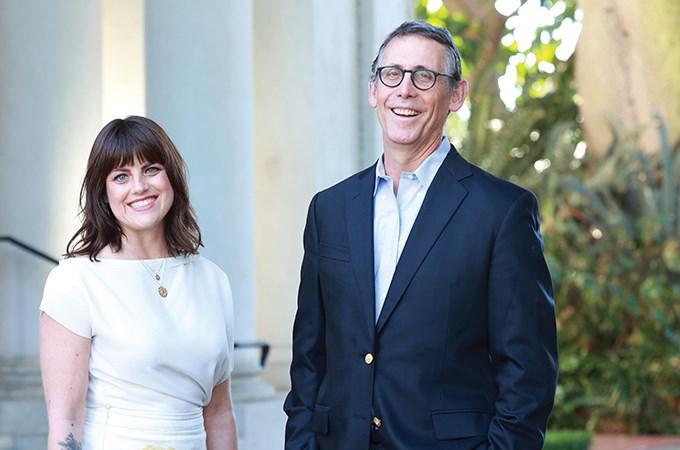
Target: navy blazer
x,y
464,352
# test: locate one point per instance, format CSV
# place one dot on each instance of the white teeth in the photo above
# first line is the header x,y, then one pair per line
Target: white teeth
x,y
141,203
405,111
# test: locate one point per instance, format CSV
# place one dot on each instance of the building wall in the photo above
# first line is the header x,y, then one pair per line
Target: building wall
x,y
313,127
265,99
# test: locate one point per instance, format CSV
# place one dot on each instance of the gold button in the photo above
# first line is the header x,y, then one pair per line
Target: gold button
x,y
368,359
377,422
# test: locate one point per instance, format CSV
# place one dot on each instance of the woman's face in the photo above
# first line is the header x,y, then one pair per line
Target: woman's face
x,y
140,195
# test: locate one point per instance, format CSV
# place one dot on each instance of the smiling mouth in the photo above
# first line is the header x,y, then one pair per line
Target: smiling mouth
x,y
142,203
405,112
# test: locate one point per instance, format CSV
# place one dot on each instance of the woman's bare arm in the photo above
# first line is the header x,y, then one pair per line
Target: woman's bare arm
x,y
64,359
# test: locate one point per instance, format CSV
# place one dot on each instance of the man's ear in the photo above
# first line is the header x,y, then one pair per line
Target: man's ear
x,y
372,93
458,96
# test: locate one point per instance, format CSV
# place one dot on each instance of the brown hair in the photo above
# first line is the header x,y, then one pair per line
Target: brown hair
x,y
429,31
119,143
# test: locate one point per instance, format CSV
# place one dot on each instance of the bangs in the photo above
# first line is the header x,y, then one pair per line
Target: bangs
x,y
126,145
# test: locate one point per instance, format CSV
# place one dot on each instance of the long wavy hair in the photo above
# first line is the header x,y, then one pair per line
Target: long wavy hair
x,y
122,142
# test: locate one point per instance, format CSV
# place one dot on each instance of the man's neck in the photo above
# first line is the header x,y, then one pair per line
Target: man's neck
x,y
400,158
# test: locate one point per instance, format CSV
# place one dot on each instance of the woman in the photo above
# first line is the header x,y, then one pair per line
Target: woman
x,y
136,344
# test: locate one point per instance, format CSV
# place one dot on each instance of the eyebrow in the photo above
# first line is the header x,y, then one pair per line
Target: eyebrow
x,y
126,167
418,67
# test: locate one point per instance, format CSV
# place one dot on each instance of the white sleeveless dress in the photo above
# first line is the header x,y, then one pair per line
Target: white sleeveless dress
x,y
154,361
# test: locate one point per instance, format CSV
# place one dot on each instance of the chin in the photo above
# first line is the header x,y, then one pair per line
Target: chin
x,y
403,140
145,227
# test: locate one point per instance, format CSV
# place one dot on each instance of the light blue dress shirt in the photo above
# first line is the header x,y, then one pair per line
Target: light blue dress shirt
x,y
394,215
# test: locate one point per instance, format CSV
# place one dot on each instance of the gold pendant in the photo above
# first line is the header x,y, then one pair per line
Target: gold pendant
x,y
162,292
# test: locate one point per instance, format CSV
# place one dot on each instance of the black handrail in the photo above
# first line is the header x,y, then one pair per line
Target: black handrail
x,y
30,249
263,346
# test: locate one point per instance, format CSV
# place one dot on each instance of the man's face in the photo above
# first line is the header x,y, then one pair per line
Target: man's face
x,y
408,116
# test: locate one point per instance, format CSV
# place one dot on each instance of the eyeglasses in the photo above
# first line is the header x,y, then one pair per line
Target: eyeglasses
x,y
423,79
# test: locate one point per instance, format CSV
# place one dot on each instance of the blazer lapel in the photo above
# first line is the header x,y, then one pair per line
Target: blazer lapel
x,y
443,198
359,206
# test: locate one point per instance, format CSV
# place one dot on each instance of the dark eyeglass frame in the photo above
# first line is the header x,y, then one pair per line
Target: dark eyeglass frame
x,y
413,73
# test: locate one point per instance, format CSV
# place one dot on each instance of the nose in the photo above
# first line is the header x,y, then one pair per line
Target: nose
x,y
406,88
139,184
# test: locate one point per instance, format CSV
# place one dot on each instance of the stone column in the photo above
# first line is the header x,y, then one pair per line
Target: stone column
x,y
122,43
376,20
49,114
313,128
199,87
306,138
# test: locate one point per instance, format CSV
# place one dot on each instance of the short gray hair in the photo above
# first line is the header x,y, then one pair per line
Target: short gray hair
x,y
426,30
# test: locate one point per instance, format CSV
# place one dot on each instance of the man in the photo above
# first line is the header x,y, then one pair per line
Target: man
x,y
425,313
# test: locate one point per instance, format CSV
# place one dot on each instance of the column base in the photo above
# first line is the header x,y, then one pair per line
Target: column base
x,y
246,382
23,417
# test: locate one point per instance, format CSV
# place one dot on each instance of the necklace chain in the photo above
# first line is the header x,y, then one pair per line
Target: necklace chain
x,y
157,276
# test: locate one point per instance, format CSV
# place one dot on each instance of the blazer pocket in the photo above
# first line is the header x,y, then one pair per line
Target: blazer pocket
x,y
319,423
333,252
460,424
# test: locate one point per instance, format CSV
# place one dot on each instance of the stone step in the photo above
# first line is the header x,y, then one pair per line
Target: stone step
x,y
19,363
6,442
19,368
22,417
20,379
21,393
23,442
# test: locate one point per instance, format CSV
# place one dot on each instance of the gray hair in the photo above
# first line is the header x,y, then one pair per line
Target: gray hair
x,y
426,30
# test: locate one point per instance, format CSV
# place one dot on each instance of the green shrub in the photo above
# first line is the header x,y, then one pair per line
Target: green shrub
x,y
567,440
611,226
612,235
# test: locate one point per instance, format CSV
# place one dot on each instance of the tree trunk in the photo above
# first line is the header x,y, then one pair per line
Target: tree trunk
x,y
627,64
483,83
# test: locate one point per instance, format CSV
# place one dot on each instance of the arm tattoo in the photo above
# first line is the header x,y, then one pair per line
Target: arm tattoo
x,y
70,443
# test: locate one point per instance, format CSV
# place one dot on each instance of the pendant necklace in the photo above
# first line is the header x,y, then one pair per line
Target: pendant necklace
x,y
158,276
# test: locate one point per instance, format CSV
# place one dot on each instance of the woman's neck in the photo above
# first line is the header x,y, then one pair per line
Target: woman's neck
x,y
138,246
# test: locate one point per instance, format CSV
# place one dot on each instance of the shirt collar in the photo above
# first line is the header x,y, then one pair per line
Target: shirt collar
x,y
425,173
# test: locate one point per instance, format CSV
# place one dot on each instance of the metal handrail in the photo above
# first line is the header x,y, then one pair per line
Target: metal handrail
x,y
263,346
30,249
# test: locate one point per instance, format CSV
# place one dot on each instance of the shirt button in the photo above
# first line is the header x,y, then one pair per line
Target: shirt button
x,y
377,423
368,358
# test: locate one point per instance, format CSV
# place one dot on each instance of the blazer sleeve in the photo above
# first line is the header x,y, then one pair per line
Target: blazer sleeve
x,y
522,331
308,366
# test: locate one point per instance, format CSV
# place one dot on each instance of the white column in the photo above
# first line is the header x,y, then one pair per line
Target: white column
x,y
335,75
377,19
123,82
50,90
285,165
313,127
199,87
49,114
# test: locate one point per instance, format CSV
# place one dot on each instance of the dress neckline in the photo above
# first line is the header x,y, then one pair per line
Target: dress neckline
x,y
172,261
